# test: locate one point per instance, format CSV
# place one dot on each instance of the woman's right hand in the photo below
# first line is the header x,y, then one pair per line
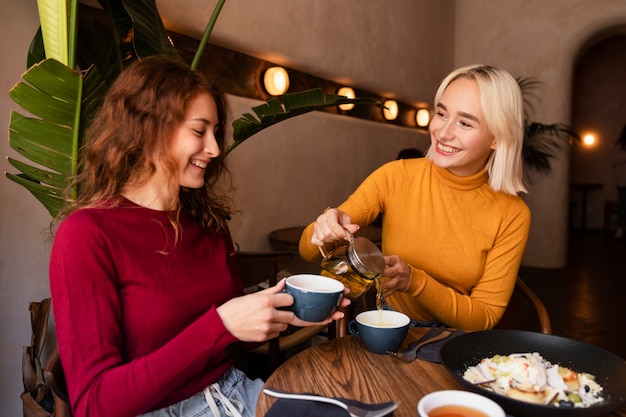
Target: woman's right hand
x,y
255,317
332,225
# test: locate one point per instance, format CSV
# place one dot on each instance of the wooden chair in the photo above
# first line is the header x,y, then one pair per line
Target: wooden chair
x,y
524,302
55,379
542,312
260,267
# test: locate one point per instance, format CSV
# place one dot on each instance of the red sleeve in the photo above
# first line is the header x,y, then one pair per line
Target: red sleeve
x,y
90,322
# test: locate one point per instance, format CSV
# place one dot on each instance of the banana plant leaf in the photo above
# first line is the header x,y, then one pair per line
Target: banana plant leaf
x,y
52,92
126,31
54,16
63,100
150,37
133,30
293,104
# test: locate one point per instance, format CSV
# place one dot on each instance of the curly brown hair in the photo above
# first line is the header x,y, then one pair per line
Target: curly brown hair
x,y
132,130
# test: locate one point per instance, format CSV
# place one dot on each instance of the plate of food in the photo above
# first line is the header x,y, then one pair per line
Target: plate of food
x,y
535,374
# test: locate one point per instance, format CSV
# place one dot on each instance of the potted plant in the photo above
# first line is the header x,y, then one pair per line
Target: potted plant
x,y
540,140
63,98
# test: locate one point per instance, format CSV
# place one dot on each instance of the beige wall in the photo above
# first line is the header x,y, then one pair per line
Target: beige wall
x,y
288,174
540,39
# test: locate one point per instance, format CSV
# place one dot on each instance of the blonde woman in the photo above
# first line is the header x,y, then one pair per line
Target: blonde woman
x,y
454,228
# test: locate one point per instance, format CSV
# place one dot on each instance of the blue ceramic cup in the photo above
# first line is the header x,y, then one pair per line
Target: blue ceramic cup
x,y
315,297
380,331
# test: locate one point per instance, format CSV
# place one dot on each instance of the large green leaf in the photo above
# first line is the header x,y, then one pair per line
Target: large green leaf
x,y
51,92
150,37
40,176
53,17
293,104
43,142
126,31
62,100
48,196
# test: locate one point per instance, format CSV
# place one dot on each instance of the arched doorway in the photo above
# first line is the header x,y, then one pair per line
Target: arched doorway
x,y
598,108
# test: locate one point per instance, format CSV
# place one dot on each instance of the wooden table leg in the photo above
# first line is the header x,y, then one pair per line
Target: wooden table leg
x,y
341,325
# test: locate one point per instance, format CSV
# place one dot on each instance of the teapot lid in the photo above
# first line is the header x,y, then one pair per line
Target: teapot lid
x,y
366,256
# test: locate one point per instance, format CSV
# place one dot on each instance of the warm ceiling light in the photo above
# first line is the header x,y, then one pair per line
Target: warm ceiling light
x,y
422,117
346,92
276,81
390,109
589,139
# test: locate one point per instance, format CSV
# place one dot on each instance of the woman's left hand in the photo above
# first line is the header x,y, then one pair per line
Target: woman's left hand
x,y
397,275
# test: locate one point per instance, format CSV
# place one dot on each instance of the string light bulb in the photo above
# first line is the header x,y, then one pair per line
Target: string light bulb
x,y
276,81
346,92
422,117
390,109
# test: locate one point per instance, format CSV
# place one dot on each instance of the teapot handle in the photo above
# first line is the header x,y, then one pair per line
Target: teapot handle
x,y
350,241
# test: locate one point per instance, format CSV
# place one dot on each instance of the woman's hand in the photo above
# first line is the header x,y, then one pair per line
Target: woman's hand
x,y
331,226
337,314
397,275
255,317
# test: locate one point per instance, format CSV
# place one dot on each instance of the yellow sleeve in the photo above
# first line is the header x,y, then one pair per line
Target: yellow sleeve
x,y
482,305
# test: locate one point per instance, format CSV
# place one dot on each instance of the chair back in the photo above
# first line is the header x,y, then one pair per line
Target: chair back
x,y
257,267
524,303
55,378
540,308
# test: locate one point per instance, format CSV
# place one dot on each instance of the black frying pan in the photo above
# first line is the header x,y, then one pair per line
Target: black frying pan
x,y
610,370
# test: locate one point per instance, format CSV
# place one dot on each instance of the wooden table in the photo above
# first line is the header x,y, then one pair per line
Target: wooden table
x,y
344,368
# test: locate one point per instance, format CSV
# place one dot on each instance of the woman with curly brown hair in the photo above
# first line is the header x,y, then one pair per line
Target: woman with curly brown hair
x,y
147,299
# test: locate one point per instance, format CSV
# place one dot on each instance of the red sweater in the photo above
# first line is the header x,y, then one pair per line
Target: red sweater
x,y
135,314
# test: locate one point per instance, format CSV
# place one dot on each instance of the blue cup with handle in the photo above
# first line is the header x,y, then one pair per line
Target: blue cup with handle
x,y
315,297
380,330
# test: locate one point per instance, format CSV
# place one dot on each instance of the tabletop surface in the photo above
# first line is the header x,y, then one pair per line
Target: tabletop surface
x,y
342,367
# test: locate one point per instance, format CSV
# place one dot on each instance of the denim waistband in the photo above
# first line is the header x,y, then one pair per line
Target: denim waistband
x,y
233,385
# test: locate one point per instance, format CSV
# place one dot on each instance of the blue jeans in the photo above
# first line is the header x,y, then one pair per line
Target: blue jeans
x,y
234,385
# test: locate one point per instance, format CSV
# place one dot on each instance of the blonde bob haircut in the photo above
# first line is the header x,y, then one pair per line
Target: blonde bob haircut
x,y
503,107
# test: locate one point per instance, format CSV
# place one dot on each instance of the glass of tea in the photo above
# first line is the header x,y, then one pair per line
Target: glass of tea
x,y
455,403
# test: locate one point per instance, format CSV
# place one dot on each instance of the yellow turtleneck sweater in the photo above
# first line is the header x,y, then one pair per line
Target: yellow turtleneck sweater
x,y
463,241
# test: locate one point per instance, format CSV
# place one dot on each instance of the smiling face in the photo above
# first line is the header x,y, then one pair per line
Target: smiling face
x,y
194,144
460,139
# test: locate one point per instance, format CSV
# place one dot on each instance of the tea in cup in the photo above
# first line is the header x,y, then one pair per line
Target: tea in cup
x,y
450,403
315,297
380,330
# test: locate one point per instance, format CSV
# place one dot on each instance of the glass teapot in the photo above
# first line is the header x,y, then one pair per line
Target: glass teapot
x,y
356,264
